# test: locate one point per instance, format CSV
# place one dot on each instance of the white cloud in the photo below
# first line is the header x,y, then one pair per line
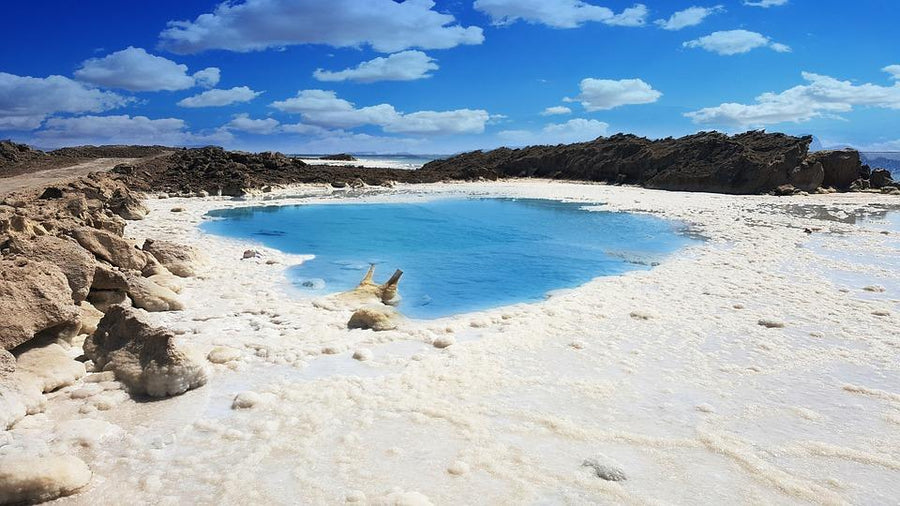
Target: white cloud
x,y
555,110
218,98
254,25
404,66
603,94
122,129
764,3
893,70
26,101
243,123
821,96
692,16
325,109
135,69
574,130
559,13
735,42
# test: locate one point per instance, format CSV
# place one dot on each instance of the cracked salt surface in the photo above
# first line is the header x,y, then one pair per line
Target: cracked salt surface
x,y
694,402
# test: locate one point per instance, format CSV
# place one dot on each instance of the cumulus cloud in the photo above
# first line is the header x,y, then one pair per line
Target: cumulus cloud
x,y
135,69
122,129
732,42
244,123
893,70
254,25
574,130
820,96
26,101
560,13
556,110
764,3
324,108
692,16
603,94
404,66
219,98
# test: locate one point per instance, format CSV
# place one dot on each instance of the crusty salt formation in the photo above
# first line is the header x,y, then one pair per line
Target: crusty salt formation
x,y
143,357
27,479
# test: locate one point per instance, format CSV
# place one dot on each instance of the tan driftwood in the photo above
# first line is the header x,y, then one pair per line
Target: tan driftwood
x,y
385,293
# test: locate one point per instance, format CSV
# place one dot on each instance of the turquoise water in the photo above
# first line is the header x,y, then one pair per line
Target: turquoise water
x,y
457,255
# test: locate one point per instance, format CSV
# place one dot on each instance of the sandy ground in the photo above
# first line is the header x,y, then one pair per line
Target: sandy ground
x,y
759,367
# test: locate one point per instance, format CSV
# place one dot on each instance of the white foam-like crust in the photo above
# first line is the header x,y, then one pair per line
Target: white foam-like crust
x,y
666,372
27,479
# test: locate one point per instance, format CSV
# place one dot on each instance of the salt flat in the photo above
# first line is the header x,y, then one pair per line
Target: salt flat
x,y
760,366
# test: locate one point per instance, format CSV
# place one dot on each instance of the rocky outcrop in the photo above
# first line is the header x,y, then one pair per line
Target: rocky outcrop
x,y
34,298
375,317
753,162
143,357
76,264
340,157
841,167
178,259
881,178
111,248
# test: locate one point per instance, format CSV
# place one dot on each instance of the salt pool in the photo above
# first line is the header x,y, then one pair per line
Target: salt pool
x,y
458,255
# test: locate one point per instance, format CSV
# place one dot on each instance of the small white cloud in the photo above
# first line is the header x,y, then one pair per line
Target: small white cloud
x,y
324,108
822,96
26,101
735,42
556,110
219,98
254,25
122,129
243,123
692,16
893,70
574,130
764,3
135,69
603,94
207,77
404,66
559,13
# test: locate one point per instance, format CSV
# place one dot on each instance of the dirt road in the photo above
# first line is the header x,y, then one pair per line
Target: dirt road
x,y
49,176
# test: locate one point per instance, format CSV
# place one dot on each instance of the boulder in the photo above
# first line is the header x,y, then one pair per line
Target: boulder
x,y
375,317
881,178
34,297
75,262
90,317
110,248
107,277
807,176
842,167
104,299
142,356
180,260
150,296
28,479
125,204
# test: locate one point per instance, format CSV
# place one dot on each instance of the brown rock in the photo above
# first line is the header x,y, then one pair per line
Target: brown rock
x,y
144,357
148,295
178,259
76,263
110,248
34,297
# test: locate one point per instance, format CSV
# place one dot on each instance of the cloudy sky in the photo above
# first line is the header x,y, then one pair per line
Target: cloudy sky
x,y
419,76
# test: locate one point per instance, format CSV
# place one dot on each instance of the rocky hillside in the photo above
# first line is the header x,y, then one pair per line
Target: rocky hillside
x,y
18,159
748,163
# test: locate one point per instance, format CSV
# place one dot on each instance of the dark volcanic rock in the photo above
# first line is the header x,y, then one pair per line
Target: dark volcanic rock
x,y
842,167
753,162
881,178
341,157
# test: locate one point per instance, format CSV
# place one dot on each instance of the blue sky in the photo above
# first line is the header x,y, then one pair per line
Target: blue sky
x,y
426,77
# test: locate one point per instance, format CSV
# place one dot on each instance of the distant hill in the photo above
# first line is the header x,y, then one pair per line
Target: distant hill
x,y
889,161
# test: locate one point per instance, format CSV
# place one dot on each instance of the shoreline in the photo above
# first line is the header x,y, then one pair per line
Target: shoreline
x,y
619,370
